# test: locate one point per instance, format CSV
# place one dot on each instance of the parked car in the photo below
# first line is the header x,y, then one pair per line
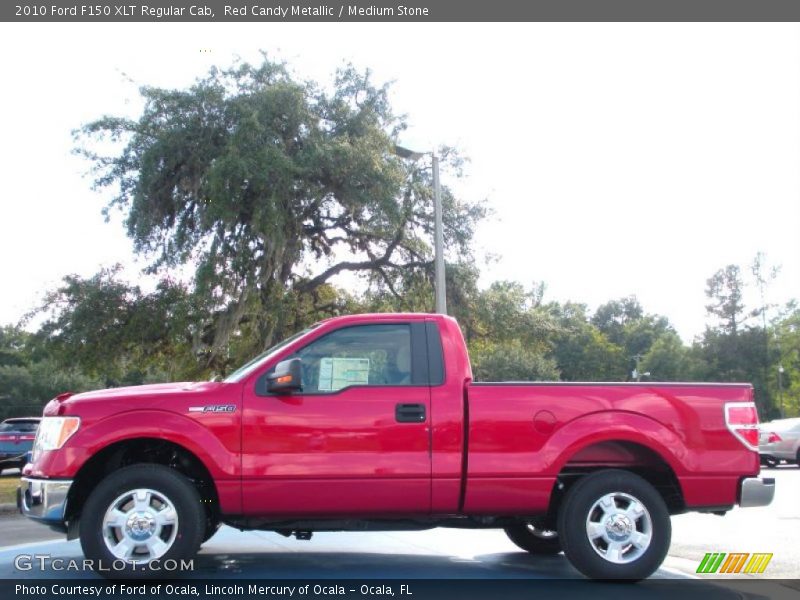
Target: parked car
x,y
779,441
16,441
373,423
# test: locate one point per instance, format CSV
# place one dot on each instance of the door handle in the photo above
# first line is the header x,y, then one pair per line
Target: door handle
x,y
409,413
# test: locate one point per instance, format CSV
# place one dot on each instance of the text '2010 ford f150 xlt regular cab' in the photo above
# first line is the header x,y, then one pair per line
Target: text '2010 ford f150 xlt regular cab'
x,y
373,422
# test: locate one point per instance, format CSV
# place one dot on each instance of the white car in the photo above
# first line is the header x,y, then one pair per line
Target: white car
x,y
779,441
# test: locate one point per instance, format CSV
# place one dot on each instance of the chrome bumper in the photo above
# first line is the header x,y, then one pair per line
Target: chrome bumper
x,y
756,491
784,454
43,499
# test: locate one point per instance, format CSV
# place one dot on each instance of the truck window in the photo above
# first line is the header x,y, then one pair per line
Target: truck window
x,y
359,355
256,362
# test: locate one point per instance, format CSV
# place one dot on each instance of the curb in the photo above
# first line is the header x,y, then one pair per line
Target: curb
x,y
8,508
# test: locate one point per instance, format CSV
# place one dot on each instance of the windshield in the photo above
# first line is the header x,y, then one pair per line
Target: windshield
x,y
253,364
22,426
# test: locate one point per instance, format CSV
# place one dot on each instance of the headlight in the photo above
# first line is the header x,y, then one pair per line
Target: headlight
x,y
53,432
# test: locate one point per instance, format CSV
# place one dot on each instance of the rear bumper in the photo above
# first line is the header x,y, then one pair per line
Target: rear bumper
x,y
44,499
13,459
775,453
756,491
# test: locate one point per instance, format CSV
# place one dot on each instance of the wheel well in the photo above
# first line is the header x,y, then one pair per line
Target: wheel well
x,y
620,454
138,451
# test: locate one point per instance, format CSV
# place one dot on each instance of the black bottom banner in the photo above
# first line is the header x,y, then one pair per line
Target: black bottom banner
x,y
417,589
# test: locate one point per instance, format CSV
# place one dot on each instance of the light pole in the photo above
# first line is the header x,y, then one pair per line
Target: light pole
x,y
636,373
438,229
780,389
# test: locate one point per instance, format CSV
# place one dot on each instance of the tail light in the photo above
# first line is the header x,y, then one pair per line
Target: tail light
x,y
773,438
741,418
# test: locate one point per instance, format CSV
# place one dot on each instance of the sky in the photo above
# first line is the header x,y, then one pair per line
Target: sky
x,y
617,159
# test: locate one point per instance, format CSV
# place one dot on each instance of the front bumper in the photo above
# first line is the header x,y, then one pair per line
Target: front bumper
x,y
756,491
44,499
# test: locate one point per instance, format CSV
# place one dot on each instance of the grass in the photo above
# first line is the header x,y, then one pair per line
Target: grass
x,y
8,488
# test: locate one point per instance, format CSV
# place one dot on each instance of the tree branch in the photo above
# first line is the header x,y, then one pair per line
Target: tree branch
x,y
366,265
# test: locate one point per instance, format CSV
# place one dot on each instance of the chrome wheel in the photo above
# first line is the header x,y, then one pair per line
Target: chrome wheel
x,y
545,534
531,537
140,525
619,528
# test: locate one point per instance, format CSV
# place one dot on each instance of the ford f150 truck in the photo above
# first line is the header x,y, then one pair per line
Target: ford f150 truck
x,y
373,422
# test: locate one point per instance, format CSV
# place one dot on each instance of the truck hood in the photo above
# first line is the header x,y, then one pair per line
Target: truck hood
x,y
164,396
157,389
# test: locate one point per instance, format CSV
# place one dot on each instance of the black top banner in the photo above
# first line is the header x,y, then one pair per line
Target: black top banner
x,y
232,11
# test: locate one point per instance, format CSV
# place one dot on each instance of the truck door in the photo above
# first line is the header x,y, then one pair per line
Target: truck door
x,y
355,440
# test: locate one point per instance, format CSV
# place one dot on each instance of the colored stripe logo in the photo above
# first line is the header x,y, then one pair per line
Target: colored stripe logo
x,y
735,562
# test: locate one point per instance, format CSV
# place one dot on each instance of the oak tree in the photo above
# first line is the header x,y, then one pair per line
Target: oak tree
x,y
267,187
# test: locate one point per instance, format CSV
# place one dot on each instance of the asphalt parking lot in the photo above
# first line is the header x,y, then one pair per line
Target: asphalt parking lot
x,y
437,553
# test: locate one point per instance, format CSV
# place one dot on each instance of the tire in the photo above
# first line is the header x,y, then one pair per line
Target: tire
x,y
614,525
211,527
535,540
770,462
140,514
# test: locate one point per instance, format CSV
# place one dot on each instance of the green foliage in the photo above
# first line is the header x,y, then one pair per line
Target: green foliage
x,y
24,389
254,176
28,381
615,317
508,312
101,331
736,347
507,332
264,188
583,352
624,323
113,331
724,290
785,387
13,340
511,361
668,359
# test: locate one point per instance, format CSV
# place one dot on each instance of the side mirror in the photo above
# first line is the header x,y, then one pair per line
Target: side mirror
x,y
286,377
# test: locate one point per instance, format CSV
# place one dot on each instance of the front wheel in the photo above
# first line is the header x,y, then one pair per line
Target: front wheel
x,y
614,525
212,526
533,539
140,519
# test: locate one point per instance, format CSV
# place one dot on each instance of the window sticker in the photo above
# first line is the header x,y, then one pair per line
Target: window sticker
x,y
338,373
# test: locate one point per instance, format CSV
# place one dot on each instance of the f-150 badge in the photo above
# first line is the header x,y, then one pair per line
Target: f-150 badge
x,y
214,408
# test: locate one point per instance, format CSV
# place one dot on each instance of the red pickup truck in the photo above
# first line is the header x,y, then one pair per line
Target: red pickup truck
x,y
373,422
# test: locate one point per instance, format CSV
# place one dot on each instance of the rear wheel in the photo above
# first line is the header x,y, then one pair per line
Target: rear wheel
x,y
614,525
533,539
138,518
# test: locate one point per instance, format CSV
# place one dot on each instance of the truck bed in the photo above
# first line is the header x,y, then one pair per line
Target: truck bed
x,y
521,436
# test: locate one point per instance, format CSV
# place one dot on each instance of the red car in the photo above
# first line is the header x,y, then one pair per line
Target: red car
x,y
373,422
